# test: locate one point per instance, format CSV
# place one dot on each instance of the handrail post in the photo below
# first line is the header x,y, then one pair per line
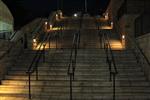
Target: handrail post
x,y
49,42
36,73
114,86
44,52
29,84
70,74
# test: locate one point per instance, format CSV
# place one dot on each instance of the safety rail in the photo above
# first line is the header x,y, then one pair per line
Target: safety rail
x,y
36,59
72,60
73,57
110,60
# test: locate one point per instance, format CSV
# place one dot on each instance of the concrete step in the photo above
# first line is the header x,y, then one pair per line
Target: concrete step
x,y
76,83
76,73
77,77
81,67
76,97
83,70
51,90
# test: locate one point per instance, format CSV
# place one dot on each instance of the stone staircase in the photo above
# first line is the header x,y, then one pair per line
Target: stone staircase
x,y
91,77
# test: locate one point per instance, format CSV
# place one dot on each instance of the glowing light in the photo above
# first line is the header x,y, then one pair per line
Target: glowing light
x,y
61,14
57,17
112,24
123,36
116,45
106,16
34,40
45,23
51,26
75,15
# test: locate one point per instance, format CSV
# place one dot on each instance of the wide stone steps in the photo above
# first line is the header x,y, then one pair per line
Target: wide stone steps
x,y
91,77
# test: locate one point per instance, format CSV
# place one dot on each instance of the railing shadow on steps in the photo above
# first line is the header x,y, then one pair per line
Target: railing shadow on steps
x,y
110,60
73,58
33,67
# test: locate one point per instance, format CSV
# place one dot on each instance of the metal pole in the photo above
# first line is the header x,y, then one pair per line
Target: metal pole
x,y
44,53
29,85
36,72
70,86
114,86
57,4
56,41
49,42
85,6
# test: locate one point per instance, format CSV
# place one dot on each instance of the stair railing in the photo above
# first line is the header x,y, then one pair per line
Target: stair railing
x,y
72,61
35,62
73,56
110,60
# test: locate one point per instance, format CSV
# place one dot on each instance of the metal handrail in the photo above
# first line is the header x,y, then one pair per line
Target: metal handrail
x,y
34,64
111,62
73,56
109,58
72,62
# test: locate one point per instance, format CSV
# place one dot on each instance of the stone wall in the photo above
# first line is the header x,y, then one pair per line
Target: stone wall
x,y
144,42
28,31
6,18
9,52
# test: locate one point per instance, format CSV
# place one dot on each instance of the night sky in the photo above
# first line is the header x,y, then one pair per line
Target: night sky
x,y
26,10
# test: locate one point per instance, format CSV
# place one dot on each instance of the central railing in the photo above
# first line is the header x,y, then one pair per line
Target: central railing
x,y
73,57
35,62
72,62
110,60
111,63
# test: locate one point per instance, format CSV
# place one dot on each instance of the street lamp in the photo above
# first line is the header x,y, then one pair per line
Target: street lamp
x,y
59,4
85,4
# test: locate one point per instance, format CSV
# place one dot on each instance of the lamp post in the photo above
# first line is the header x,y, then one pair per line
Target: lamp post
x,y
85,4
57,4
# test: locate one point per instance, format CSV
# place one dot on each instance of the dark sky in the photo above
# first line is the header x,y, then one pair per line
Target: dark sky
x,y
26,10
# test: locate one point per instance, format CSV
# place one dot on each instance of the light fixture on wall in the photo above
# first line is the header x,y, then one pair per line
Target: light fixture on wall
x,y
51,26
57,17
123,37
45,23
106,16
34,40
112,24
